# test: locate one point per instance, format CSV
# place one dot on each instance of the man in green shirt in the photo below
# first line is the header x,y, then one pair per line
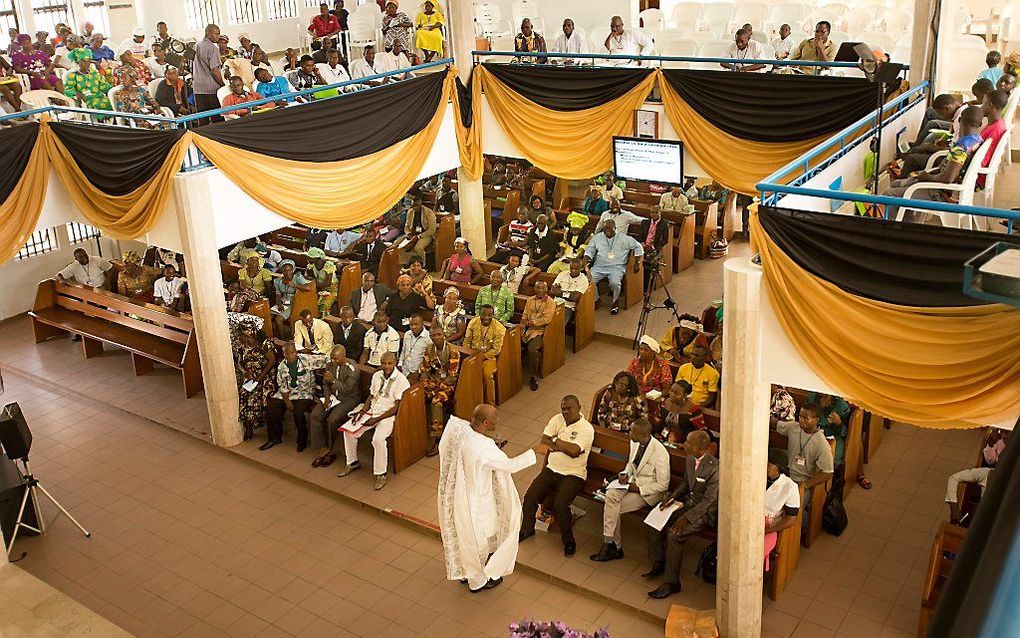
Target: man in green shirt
x,y
497,295
818,49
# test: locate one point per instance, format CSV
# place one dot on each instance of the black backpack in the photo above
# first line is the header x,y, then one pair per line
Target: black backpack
x,y
707,564
834,519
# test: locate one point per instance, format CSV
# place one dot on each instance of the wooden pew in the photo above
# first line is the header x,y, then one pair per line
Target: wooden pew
x,y
730,217
470,384
446,233
683,243
260,308
874,429
151,334
707,216
389,267
584,314
409,440
944,551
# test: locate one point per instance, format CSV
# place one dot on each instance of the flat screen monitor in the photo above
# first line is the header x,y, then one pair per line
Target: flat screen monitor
x,y
658,161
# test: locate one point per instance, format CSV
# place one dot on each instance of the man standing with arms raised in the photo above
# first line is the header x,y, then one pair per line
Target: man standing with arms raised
x,y
479,507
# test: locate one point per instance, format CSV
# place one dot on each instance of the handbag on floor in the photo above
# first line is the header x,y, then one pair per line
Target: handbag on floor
x,y
834,518
707,564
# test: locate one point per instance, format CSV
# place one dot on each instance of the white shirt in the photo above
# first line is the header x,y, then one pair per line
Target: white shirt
x,y
783,47
64,54
389,62
158,70
753,51
368,307
167,291
623,220
580,433
413,351
137,49
337,242
377,344
630,43
482,458
361,69
93,274
386,392
513,277
612,192
567,284
782,493
573,44
336,76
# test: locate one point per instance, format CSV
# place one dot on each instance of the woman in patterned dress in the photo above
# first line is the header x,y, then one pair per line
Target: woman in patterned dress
x,y
396,26
451,316
254,361
439,370
87,85
622,403
421,280
650,370
131,98
36,65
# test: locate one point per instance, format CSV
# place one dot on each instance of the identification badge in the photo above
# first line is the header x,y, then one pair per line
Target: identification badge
x,y
799,460
458,269
406,321
566,295
612,255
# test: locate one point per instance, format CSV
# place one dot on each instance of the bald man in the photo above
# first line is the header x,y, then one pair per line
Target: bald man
x,y
698,496
341,392
479,507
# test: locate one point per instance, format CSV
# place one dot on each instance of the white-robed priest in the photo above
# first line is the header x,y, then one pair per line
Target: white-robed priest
x,y
479,507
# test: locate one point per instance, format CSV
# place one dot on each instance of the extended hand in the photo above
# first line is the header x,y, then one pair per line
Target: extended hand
x,y
541,449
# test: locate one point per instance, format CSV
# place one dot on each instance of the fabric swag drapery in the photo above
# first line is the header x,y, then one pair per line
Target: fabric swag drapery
x,y
467,122
937,366
307,176
23,178
571,144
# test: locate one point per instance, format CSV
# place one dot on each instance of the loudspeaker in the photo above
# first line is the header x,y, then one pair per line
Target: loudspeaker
x,y
14,433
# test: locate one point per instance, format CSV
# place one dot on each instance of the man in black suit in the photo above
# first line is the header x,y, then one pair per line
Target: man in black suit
x,y
368,251
366,300
653,233
350,333
543,244
698,495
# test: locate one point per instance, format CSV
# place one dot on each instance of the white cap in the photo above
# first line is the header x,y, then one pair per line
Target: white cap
x,y
651,343
138,32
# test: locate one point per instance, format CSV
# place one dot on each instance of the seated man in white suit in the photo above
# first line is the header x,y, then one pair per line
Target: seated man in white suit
x,y
647,479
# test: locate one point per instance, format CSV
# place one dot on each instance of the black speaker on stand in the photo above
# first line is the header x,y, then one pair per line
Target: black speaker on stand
x,y
16,439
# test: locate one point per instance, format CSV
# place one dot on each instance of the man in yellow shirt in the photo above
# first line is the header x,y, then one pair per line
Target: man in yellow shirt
x,y
485,335
819,48
704,379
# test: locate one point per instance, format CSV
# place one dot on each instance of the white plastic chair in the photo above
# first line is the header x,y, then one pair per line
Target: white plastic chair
x,y
653,20
1009,113
894,21
41,98
878,39
712,49
154,86
671,43
836,8
362,31
757,14
986,196
956,73
490,20
791,13
221,94
688,16
859,20
965,190
718,16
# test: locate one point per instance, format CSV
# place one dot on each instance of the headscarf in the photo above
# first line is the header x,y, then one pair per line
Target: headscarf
x,y
316,253
406,278
284,263
132,257
23,38
690,325
651,343
125,71
451,291
77,55
248,254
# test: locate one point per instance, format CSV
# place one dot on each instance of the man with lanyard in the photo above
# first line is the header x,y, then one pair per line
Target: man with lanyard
x,y
809,454
296,395
485,336
498,295
620,42
378,413
382,338
85,270
568,287
609,254
416,342
744,48
622,218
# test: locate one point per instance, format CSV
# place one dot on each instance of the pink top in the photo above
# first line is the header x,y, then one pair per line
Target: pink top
x,y
460,268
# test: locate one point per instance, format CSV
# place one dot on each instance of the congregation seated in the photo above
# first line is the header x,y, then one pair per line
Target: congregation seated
x,y
529,41
809,455
484,335
312,335
646,477
701,376
10,86
421,280
128,60
622,219
129,97
450,316
650,370
622,404
744,48
369,298
85,270
782,505
784,44
514,272
255,367
568,286
169,290
306,76
610,254
419,230
368,250
679,415
174,93
325,28
819,49
698,495
350,333
679,341
37,64
538,312
396,26
569,436
324,273
376,415
157,64
86,85
379,340
516,240
269,85
569,42
239,298
572,246
438,372
402,303
367,66
255,276
622,41
286,286
428,31
100,51
414,344
594,203
395,59
239,95
461,267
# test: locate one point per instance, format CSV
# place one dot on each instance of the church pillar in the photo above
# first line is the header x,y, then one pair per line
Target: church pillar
x,y
205,285
744,456
922,39
469,191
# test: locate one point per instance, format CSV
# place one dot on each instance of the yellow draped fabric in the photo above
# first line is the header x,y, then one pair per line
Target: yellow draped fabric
x,y
330,194
19,213
121,216
469,140
567,144
735,163
932,367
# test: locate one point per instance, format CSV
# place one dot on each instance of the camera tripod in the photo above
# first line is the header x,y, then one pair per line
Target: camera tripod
x,y
655,265
31,485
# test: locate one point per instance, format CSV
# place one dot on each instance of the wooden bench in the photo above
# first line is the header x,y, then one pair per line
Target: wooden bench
x,y
944,551
151,334
583,326
410,440
446,234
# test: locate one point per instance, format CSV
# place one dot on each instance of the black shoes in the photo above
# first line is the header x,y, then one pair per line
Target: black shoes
x,y
665,590
534,383
301,447
268,444
656,570
608,552
491,584
569,549
615,310
523,536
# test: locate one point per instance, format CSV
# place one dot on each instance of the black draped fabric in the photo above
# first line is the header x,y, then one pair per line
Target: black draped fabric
x,y
16,146
980,597
116,160
465,101
337,129
563,88
899,263
774,107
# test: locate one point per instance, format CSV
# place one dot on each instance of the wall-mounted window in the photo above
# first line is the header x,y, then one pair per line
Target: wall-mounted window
x,y
97,14
243,11
201,13
8,20
282,9
48,13
78,232
41,241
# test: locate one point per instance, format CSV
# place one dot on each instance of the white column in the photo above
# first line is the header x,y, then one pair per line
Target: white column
x,y
922,41
744,455
205,284
472,207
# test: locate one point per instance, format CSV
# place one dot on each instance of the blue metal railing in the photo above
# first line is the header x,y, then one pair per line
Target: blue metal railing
x,y
846,139
667,58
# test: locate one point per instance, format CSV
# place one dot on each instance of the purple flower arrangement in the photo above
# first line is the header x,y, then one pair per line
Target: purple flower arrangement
x,y
550,629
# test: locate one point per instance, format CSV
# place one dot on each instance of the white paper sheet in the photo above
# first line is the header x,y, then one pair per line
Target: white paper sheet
x,y
658,517
250,385
617,485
